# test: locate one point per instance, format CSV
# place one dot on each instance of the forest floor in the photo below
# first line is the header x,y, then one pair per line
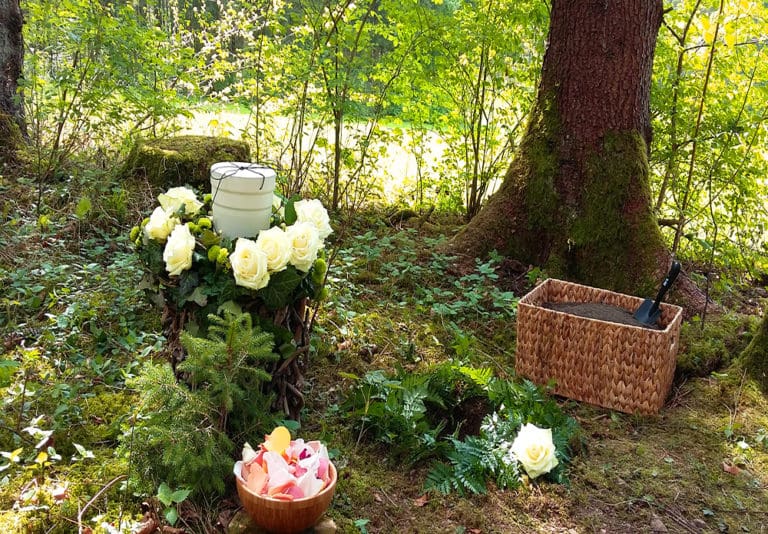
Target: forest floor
x,y
74,318
700,465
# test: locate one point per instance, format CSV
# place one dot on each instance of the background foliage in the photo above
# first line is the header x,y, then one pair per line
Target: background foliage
x,y
414,105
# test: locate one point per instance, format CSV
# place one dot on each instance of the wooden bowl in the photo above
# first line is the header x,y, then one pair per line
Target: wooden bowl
x,y
287,516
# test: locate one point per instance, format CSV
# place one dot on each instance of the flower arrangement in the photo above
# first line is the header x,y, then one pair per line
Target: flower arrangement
x,y
199,273
284,469
193,263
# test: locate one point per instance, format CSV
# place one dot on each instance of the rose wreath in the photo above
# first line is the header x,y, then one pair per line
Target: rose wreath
x,y
194,271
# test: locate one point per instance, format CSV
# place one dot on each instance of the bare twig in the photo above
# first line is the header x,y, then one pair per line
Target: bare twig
x,y
108,485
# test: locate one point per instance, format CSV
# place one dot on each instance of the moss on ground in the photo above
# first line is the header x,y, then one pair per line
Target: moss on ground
x,y
711,345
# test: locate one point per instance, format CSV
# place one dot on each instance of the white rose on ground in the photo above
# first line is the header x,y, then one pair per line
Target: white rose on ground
x,y
160,225
312,211
178,250
534,449
249,264
305,244
176,197
276,245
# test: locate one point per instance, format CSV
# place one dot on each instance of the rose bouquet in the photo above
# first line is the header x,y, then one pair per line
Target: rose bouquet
x,y
192,264
196,273
285,469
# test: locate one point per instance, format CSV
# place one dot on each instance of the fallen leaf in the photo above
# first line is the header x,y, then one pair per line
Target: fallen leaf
x,y
730,468
377,497
657,525
421,501
148,527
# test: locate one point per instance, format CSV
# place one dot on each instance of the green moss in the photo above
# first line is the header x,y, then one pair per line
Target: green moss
x,y
706,348
102,415
754,359
13,142
539,155
181,160
614,241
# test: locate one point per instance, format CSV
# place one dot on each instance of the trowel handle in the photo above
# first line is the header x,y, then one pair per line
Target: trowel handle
x,y
665,285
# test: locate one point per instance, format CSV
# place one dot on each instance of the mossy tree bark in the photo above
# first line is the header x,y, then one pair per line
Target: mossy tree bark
x,y
576,198
755,357
12,124
11,59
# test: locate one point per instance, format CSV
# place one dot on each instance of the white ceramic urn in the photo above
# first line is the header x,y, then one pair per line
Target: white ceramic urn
x,y
242,197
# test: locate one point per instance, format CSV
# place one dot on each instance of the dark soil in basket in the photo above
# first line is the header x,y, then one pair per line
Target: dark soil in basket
x,y
602,312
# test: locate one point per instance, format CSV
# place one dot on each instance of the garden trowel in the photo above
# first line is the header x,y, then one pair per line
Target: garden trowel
x,y
649,312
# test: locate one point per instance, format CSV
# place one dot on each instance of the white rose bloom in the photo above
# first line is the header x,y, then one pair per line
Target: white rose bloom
x,y
160,225
175,197
305,244
276,245
312,211
534,449
249,264
178,250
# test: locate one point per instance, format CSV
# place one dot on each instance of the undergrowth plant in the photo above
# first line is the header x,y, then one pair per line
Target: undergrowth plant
x,y
426,416
185,432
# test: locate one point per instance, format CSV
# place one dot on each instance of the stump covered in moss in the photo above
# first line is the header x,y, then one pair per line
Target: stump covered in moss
x,y
182,160
755,357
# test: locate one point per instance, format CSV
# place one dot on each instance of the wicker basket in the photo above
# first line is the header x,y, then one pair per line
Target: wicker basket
x,y
626,368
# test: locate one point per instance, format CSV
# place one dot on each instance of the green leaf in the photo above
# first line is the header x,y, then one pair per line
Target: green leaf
x,y
279,292
171,515
198,296
83,452
7,368
290,212
209,238
83,208
179,495
164,493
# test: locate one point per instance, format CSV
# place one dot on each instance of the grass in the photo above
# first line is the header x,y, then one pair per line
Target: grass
x,y
74,319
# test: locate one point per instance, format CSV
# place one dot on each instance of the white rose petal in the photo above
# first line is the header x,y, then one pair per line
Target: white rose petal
x,y
248,453
312,211
276,245
534,449
249,264
305,244
175,197
160,225
178,250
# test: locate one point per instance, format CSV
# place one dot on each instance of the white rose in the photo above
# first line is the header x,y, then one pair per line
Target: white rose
x,y
305,244
175,197
178,250
249,264
276,245
534,449
160,225
312,211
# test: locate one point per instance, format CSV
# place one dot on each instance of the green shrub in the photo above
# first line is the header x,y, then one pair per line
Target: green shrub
x,y
186,432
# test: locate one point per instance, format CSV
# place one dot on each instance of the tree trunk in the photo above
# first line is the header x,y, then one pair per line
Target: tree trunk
x,y
755,357
576,198
11,60
12,125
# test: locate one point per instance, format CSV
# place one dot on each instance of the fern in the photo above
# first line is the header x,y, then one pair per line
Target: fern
x,y
413,414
